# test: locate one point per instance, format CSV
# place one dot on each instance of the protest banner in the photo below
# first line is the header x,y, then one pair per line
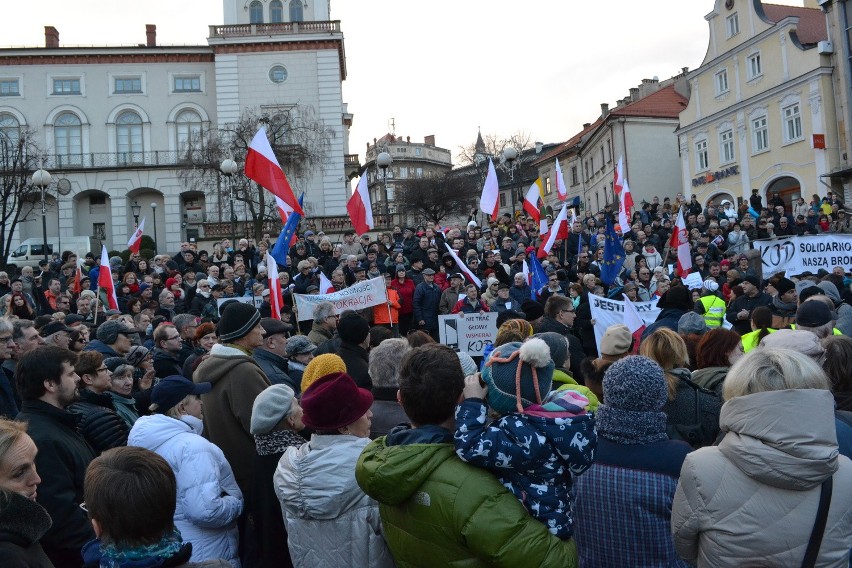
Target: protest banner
x,y
805,254
468,332
360,295
255,301
606,312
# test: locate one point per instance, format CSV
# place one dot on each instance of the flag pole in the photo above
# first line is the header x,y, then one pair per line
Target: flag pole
x,y
97,301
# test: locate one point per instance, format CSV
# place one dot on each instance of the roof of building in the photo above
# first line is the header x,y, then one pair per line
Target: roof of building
x,y
811,28
665,103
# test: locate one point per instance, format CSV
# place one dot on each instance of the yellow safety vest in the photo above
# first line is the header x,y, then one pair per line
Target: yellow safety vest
x,y
750,340
835,331
714,310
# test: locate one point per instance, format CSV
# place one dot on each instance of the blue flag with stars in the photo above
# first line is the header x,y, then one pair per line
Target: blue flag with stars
x,y
613,257
538,275
279,251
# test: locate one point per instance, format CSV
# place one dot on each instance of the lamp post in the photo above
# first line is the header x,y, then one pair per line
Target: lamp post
x,y
42,179
384,160
154,209
229,168
510,155
136,209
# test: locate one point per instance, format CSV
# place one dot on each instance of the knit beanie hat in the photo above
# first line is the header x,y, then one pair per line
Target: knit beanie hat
x,y
320,366
238,319
353,329
468,365
518,375
532,310
635,392
558,345
691,322
616,340
270,407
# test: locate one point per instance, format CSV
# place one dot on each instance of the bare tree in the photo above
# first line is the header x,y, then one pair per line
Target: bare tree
x,y
20,156
299,139
436,198
494,146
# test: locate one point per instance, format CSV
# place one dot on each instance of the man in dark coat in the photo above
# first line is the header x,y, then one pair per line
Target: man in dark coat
x,y
559,318
427,297
739,311
48,385
675,302
272,355
354,332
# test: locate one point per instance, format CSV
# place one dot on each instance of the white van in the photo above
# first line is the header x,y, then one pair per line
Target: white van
x,y
31,251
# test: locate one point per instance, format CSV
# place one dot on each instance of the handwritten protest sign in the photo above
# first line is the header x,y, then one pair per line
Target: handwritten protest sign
x,y
608,312
805,254
470,333
360,295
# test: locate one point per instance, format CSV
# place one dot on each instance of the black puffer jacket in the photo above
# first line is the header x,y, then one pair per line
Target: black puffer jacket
x,y
99,424
22,524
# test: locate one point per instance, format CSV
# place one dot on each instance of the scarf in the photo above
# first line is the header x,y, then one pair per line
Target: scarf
x,y
630,426
788,309
277,441
168,546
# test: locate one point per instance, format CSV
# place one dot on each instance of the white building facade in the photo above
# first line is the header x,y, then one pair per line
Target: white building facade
x,y
116,123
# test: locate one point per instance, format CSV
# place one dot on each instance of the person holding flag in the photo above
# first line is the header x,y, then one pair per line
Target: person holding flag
x,y
613,255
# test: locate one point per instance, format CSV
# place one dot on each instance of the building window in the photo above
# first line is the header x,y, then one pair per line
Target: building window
x,y
9,88
574,180
592,165
585,170
418,173
128,85
403,172
68,139
502,199
418,151
732,25
276,12
753,66
726,146
187,84
66,86
188,129
760,134
97,199
128,137
792,123
99,231
10,135
278,74
547,188
297,12
608,151
702,160
722,82
256,12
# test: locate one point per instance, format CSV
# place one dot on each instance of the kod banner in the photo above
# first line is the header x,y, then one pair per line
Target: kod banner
x,y
796,255
360,295
468,332
606,312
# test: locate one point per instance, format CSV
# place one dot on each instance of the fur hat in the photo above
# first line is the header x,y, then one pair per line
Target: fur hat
x,y
518,375
784,285
320,366
238,319
270,407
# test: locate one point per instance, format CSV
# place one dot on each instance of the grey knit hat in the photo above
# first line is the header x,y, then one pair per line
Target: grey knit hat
x,y
299,345
518,375
467,363
635,392
238,319
270,407
691,322
558,346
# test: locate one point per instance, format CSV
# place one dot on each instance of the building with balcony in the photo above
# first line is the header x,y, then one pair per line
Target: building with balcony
x,y
117,123
761,111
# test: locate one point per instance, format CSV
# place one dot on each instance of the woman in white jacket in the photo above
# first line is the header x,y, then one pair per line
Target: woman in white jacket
x,y
330,521
208,498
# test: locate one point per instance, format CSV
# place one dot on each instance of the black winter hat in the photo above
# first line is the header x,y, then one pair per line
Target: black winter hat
x,y
353,329
676,297
532,310
238,319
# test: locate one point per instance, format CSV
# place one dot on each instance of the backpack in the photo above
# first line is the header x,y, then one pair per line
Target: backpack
x,y
697,432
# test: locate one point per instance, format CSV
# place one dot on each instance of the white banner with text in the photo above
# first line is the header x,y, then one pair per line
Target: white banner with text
x,y
360,295
796,255
606,312
468,332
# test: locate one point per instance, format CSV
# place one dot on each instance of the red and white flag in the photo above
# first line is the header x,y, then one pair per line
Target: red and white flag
x,y
559,230
135,241
75,286
531,200
326,287
490,200
105,280
359,207
561,190
634,323
618,182
468,272
262,166
276,300
680,241
625,208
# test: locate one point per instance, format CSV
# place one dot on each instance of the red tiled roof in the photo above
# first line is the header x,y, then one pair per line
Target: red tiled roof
x,y
665,103
811,28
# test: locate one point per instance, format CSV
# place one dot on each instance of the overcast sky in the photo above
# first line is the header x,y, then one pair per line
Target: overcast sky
x,y
440,67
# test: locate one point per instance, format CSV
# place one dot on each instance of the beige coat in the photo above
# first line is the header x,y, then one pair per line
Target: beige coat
x,y
752,500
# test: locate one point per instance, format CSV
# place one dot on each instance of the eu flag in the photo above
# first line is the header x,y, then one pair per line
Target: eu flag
x,y
539,277
613,257
279,251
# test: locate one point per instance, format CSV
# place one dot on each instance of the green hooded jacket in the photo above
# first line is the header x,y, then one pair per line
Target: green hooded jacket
x,y
439,511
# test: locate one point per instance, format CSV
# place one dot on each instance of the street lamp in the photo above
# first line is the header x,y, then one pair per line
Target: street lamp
x,y
154,209
510,155
136,209
42,179
384,160
229,168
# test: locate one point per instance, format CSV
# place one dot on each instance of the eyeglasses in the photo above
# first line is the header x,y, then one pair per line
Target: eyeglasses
x,y
102,369
6,339
172,337
567,311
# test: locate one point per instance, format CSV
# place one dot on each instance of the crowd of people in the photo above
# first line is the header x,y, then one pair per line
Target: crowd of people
x,y
192,426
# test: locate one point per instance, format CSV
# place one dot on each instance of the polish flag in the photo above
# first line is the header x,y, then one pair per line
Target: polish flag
x,y
464,267
359,207
561,190
276,300
105,280
618,182
559,230
326,287
531,199
680,241
490,200
74,287
262,166
625,208
525,270
634,323
136,238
